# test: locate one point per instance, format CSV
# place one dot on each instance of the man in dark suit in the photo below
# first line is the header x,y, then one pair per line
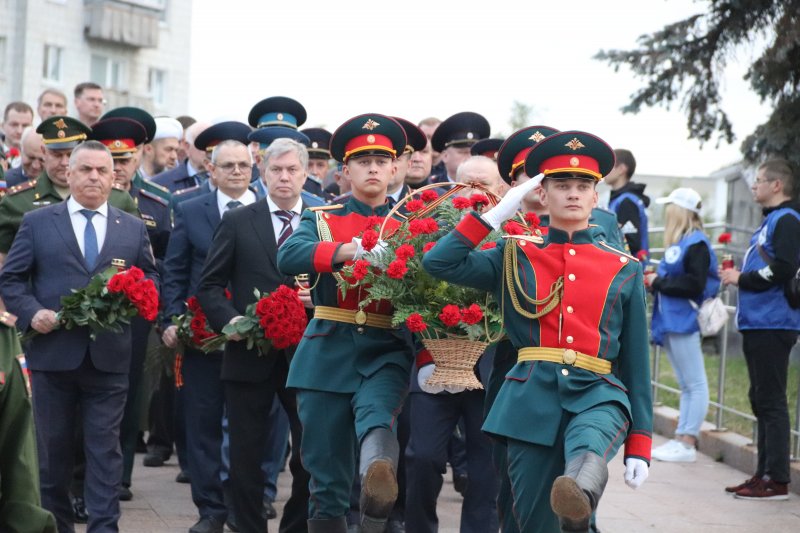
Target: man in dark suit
x,y
195,222
243,257
59,248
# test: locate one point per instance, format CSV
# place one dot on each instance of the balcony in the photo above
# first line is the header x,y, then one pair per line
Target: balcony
x,y
130,23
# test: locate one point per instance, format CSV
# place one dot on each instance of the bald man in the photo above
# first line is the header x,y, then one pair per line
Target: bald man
x,y
32,153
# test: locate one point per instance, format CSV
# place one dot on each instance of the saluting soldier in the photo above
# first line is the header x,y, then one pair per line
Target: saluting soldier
x,y
20,502
60,134
351,369
575,311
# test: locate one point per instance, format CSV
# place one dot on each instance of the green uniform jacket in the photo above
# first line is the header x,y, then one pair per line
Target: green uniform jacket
x,y
334,356
20,506
138,182
602,314
40,192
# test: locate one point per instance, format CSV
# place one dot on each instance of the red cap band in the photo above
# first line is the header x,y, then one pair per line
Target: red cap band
x,y
370,141
571,163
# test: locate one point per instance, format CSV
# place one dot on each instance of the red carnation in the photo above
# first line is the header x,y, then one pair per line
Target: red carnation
x,y
405,252
450,315
488,245
397,269
373,221
369,239
514,228
472,314
478,201
412,206
724,238
429,195
415,323
360,269
533,220
641,255
422,226
459,202
427,246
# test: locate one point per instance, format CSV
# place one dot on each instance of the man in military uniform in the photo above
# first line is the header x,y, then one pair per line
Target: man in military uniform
x,y
454,137
20,503
319,156
61,135
123,136
586,387
351,369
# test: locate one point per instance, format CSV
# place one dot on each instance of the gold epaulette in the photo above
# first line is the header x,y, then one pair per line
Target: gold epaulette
x,y
325,207
153,196
604,244
20,187
7,319
187,189
527,238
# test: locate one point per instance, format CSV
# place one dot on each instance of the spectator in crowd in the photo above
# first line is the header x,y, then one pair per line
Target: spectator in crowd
x,y
769,325
32,156
50,103
16,117
629,202
686,276
89,102
161,153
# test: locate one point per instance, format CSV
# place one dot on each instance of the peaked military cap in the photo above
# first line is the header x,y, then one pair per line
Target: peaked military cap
x,y
415,137
570,152
511,155
63,133
319,146
487,148
265,136
120,135
139,115
368,134
229,130
462,129
277,111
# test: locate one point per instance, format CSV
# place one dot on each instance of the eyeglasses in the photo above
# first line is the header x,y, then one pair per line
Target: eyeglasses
x,y
230,167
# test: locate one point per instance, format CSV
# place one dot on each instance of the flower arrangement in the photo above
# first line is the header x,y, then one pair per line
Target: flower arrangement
x,y
109,300
193,328
275,320
724,238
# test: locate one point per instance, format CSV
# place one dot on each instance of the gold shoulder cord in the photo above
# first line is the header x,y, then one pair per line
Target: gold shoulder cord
x,y
511,271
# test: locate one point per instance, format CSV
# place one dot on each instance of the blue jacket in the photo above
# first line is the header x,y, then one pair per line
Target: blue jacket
x,y
672,314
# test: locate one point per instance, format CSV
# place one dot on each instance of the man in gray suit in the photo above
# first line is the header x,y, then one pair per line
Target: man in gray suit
x,y
59,248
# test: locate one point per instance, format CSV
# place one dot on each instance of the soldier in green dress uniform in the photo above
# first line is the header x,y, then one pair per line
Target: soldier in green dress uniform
x,y
351,369
20,504
61,135
575,311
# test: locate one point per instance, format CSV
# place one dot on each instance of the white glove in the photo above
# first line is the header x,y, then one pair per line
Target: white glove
x,y
422,377
379,249
509,204
636,472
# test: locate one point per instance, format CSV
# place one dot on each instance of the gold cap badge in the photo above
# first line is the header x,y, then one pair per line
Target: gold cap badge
x,y
536,137
60,124
370,125
575,144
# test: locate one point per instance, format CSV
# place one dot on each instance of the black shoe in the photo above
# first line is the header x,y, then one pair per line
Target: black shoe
x,y
153,459
460,483
79,513
182,477
231,524
125,494
269,510
395,526
206,525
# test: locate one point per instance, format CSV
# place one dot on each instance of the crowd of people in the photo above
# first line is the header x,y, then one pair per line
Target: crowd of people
x,y
213,212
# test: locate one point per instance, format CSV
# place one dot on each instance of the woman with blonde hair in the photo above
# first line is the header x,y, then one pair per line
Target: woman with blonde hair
x,y
685,277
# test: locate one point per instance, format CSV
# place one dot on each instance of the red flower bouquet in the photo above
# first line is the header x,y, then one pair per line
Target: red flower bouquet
x,y
276,320
110,300
193,327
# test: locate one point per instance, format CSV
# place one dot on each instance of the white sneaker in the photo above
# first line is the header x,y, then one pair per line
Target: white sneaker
x,y
665,449
679,454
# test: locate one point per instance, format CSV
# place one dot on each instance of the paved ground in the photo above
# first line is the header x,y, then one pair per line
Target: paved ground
x,y
677,498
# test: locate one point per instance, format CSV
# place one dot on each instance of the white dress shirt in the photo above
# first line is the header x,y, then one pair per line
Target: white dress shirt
x,y
277,223
247,198
99,221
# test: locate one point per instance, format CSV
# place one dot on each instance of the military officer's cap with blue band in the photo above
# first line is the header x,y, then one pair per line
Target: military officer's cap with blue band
x,y
265,136
229,130
277,111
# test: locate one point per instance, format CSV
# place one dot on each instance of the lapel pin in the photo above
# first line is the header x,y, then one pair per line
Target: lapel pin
x,y
119,263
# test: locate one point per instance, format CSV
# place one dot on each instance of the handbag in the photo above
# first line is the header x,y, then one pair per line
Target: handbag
x,y
712,315
791,289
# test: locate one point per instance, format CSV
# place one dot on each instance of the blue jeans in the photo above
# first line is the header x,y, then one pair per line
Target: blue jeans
x,y
686,357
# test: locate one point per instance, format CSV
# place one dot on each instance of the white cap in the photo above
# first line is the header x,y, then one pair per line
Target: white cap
x,y
684,197
168,128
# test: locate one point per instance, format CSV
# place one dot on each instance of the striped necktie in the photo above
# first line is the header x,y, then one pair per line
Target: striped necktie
x,y
286,217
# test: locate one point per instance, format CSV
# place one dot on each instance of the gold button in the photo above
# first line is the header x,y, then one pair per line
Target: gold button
x,y
570,356
570,310
623,259
571,277
564,372
570,339
522,243
571,251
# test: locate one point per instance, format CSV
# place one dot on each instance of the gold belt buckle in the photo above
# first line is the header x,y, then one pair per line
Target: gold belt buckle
x,y
361,317
570,356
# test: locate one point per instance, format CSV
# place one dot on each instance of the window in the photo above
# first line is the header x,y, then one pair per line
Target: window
x,y
157,85
2,55
53,62
108,72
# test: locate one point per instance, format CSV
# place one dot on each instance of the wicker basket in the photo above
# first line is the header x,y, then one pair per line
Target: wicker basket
x,y
455,361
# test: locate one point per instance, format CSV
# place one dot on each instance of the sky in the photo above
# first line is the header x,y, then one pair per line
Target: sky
x,y
417,58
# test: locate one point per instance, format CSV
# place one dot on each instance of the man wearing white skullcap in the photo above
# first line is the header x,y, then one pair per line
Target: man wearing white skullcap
x,y
162,152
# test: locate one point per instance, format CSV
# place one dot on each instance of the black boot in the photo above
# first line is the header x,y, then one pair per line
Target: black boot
x,y
378,469
327,525
575,495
